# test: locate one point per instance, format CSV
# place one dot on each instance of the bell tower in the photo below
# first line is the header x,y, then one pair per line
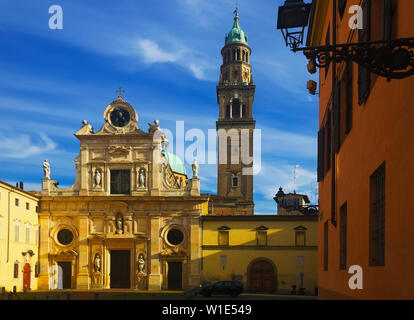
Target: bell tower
x,y
235,95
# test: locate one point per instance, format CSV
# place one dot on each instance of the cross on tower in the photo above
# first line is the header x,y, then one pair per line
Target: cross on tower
x,y
120,91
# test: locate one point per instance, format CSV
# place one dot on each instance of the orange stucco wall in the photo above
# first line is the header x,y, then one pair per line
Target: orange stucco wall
x,y
382,130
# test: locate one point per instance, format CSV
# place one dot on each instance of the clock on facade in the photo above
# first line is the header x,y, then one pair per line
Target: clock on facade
x,y
120,117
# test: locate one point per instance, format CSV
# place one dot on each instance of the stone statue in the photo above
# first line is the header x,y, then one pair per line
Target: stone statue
x,y
97,263
98,178
195,168
46,169
154,127
142,178
119,225
141,264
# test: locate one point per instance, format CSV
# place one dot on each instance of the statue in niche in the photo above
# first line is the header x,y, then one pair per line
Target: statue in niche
x,y
97,263
46,169
142,178
195,168
141,264
119,225
98,178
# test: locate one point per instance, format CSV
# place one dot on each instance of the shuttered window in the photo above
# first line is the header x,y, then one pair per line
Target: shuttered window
x,y
364,35
377,217
300,238
261,238
223,238
325,246
388,19
321,154
337,118
16,270
349,96
343,236
328,153
342,7
327,43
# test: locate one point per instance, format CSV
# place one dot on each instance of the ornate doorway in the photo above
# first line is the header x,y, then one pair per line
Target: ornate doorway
x,y
120,269
27,271
262,276
175,275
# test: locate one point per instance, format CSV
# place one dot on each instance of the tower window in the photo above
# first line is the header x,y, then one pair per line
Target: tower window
x,y
228,112
234,181
236,108
243,115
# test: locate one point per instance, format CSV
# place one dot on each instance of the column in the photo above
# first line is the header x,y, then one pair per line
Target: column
x,y
82,277
155,277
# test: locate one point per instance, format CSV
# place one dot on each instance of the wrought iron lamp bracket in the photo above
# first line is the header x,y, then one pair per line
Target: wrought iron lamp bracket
x,y
389,59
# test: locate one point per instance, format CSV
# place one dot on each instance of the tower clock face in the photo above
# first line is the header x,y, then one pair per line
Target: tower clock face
x,y
120,117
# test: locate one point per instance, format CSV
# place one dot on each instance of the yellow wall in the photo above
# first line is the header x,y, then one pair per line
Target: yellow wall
x,y
243,249
11,250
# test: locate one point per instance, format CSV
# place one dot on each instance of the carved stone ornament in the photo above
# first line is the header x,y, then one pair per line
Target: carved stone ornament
x,y
170,180
46,169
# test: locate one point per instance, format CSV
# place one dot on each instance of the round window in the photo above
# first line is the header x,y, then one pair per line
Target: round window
x,y
175,237
65,236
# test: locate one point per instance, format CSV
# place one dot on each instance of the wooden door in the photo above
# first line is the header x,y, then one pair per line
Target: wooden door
x,y
120,269
27,271
262,277
66,268
175,276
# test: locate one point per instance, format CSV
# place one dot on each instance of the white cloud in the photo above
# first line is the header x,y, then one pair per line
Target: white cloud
x,y
22,146
152,53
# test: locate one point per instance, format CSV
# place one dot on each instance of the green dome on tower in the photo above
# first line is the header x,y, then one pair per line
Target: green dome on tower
x,y
236,34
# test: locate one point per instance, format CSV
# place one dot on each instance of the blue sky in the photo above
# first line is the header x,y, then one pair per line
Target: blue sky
x,y
166,56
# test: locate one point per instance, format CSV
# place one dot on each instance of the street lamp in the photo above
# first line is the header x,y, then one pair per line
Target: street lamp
x,y
293,15
392,59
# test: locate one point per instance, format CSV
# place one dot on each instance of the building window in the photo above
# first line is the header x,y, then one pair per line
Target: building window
x,y
377,217
16,202
37,235
223,236
364,75
1,225
27,233
16,270
343,236
342,7
325,246
300,261
388,19
300,238
327,43
349,96
27,206
16,231
261,238
223,261
37,269
120,181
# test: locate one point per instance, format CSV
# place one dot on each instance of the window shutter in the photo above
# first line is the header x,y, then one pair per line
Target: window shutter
x,y
364,76
337,118
321,154
349,95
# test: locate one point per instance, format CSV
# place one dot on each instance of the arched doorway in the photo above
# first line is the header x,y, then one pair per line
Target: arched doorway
x,y
27,271
262,276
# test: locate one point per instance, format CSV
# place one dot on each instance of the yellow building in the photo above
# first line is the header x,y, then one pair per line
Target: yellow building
x,y
267,253
19,238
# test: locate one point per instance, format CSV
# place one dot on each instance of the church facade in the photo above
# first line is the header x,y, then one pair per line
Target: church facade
x,y
130,220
